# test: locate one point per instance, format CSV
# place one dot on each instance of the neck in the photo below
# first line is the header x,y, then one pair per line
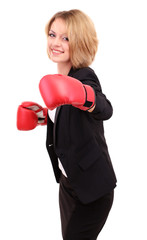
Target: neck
x,y
64,68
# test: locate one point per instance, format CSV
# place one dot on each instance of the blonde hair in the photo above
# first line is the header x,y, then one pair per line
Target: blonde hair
x,y
83,42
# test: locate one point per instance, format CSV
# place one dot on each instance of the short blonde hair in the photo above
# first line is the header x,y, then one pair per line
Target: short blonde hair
x,y
83,42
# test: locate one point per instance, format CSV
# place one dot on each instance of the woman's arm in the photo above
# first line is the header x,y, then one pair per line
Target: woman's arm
x,y
102,110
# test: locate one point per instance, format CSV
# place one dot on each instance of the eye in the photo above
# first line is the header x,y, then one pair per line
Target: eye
x,y
65,39
52,35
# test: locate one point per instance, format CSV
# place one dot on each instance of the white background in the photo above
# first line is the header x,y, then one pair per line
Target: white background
x,y
28,191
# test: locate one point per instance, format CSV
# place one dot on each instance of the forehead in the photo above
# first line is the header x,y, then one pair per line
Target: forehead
x,y
59,26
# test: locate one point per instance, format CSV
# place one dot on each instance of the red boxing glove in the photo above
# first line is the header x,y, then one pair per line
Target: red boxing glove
x,y
30,115
58,90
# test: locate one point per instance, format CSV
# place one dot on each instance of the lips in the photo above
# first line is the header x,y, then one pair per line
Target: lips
x,y
56,51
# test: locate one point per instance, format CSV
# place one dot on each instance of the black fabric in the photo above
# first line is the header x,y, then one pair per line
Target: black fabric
x,y
79,142
81,221
50,148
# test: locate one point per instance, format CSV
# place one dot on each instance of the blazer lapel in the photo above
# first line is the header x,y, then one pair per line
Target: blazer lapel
x,y
56,114
71,72
55,123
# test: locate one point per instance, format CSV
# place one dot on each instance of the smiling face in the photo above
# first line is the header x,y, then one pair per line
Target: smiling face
x,y
58,44
82,46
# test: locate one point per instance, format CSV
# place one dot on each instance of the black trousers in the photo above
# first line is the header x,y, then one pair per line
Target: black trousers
x,y
81,221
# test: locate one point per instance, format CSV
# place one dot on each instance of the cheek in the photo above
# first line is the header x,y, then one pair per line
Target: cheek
x,y
66,47
48,43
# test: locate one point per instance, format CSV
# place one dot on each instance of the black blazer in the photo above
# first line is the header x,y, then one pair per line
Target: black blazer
x,y
77,139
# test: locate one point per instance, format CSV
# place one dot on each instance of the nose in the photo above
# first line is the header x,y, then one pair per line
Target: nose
x,y
57,41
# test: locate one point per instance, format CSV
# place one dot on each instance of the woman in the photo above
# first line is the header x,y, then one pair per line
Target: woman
x,y
75,134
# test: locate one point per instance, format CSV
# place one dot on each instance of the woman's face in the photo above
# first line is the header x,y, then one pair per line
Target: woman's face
x,y
58,44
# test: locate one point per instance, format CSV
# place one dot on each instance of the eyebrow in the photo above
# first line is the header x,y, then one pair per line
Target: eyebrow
x,y
51,31
55,32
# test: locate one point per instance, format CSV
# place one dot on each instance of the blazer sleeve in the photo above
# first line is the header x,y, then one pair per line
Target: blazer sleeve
x,y
103,109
